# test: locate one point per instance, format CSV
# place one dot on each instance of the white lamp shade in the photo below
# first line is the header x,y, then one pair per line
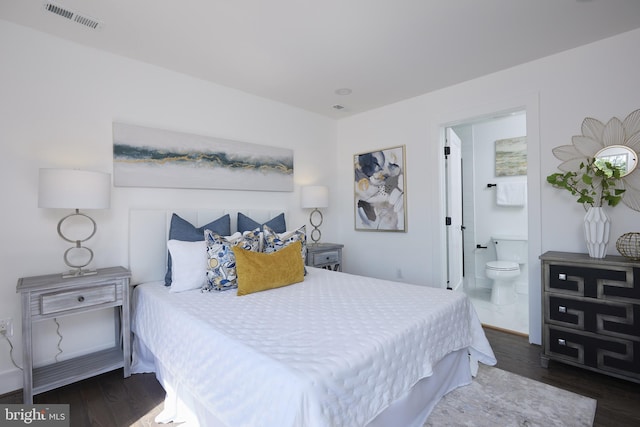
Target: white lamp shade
x,y
74,189
315,196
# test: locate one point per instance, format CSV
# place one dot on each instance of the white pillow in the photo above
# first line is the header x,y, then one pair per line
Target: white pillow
x,y
189,265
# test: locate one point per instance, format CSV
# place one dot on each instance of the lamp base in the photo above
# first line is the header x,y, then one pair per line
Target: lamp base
x,y
316,234
78,268
78,273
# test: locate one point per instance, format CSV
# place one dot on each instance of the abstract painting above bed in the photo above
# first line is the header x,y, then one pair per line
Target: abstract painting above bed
x,y
148,157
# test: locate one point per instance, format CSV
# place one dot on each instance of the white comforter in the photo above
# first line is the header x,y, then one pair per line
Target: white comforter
x,y
334,350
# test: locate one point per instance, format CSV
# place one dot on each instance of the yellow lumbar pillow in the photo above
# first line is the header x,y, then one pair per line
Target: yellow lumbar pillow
x,y
258,271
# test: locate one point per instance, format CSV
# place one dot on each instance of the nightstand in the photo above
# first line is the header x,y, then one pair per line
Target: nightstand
x,y
325,255
51,296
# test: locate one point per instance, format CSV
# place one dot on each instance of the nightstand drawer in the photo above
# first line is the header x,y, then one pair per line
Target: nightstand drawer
x,y
79,298
328,257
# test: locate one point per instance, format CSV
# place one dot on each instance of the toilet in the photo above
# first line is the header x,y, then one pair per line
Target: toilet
x,y
511,253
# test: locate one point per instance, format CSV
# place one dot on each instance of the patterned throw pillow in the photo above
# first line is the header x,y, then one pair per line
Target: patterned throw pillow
x,y
273,242
221,262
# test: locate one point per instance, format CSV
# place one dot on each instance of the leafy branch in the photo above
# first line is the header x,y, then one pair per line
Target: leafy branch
x,y
596,183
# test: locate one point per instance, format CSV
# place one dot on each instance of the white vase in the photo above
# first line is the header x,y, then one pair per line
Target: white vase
x,y
596,232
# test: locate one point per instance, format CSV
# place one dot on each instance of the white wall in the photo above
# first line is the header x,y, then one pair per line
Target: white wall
x,y
57,104
558,92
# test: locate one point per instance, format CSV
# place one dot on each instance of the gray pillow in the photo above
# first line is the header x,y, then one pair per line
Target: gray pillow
x,y
181,229
277,223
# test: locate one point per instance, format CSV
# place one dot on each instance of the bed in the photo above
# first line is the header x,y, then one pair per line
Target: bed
x,y
333,350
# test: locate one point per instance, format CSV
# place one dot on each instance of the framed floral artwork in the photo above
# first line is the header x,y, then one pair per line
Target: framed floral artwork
x,y
379,190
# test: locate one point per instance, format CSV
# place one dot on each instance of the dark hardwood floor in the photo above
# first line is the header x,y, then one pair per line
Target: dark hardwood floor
x,y
618,400
109,400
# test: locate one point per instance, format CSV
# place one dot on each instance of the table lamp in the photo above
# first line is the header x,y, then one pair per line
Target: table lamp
x,y
74,189
315,197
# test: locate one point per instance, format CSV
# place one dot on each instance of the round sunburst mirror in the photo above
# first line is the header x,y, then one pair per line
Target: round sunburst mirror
x,y
617,142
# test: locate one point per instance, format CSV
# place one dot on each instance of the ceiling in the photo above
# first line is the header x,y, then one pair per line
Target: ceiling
x,y
300,52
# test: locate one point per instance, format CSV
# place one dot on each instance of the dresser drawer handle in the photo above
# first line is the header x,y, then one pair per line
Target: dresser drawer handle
x,y
562,309
562,276
561,341
80,298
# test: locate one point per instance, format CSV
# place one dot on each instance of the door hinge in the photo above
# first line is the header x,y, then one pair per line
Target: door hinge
x,y
447,221
447,151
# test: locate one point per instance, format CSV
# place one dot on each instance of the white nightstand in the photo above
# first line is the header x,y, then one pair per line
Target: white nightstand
x,y
325,255
46,297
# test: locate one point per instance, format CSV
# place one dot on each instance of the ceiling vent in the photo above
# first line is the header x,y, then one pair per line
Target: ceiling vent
x,y
72,15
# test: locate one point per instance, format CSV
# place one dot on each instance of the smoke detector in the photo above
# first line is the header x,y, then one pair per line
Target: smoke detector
x,y
72,15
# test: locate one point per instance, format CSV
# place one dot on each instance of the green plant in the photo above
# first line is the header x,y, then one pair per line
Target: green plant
x,y
596,182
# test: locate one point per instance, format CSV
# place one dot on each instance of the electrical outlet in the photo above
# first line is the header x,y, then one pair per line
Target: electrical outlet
x,y
6,327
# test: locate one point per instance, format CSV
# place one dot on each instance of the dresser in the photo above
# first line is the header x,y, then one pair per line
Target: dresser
x,y
591,313
325,255
52,296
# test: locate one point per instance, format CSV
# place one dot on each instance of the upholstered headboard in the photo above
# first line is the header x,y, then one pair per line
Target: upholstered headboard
x,y
149,232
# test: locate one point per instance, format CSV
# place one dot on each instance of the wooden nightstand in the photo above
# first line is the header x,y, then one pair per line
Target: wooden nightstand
x,y
325,255
46,297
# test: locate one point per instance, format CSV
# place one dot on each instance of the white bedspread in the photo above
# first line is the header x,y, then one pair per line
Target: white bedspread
x,y
334,350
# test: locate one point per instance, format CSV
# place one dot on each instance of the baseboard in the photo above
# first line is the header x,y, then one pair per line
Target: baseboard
x,y
508,331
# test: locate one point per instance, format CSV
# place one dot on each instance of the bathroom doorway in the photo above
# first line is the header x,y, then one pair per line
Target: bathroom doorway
x,y
481,154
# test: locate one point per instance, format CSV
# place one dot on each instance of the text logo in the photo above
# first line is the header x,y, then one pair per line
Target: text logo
x,y
34,415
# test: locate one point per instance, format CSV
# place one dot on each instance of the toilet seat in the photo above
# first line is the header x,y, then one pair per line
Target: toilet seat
x,y
503,266
503,275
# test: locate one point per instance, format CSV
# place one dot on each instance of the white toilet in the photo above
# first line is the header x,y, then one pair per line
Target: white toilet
x,y
512,252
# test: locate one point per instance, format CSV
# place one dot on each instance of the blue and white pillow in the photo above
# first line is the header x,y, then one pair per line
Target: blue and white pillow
x,y
221,262
273,242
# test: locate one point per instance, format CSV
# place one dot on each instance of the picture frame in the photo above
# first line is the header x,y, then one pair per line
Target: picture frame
x,y
511,156
380,197
149,157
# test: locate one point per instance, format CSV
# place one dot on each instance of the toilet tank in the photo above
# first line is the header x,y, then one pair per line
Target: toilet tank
x,y
511,248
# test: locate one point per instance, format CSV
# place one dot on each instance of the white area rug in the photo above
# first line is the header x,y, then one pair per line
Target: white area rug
x,y
500,398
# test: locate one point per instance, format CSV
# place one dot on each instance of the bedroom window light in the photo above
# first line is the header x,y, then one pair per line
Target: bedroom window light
x,y
315,197
75,189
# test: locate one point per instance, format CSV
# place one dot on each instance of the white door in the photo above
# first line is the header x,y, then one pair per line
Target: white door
x,y
453,167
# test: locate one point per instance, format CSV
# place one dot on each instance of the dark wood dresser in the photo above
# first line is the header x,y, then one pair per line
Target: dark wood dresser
x,y
591,313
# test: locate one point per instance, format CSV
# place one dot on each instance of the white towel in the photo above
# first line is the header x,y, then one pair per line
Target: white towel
x,y
511,193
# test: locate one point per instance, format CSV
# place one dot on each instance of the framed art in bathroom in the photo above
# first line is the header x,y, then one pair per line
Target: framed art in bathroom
x,y
379,190
511,156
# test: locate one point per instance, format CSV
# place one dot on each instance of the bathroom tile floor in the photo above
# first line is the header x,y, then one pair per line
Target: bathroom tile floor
x,y
512,317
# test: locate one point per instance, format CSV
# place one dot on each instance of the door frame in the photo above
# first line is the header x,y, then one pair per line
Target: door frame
x,y
530,104
455,227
